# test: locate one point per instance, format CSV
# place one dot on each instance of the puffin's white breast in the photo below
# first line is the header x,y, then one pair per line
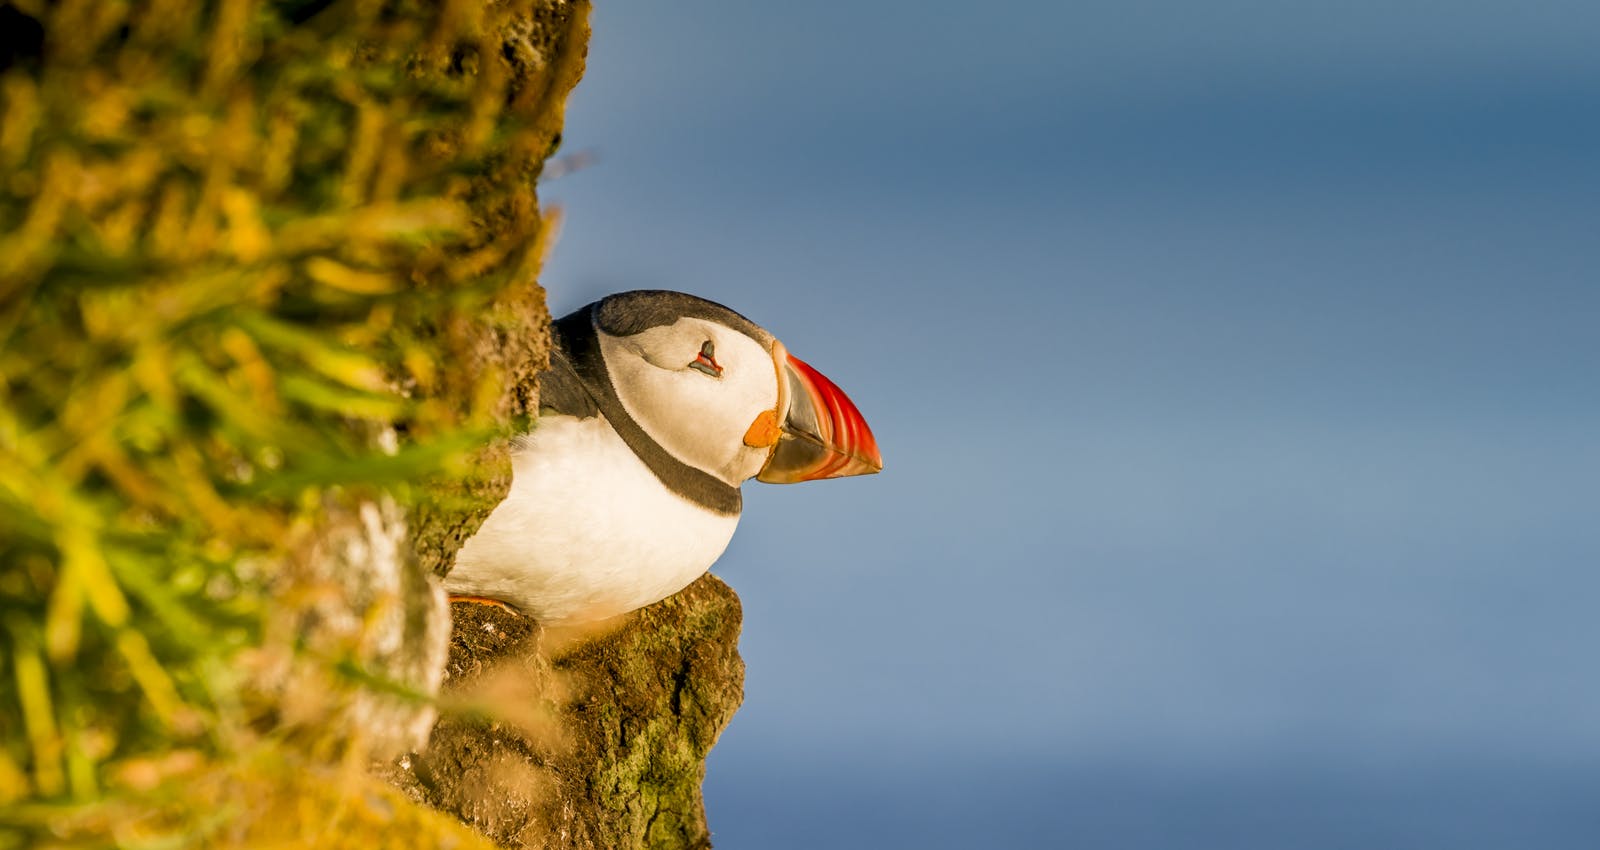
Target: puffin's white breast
x,y
587,530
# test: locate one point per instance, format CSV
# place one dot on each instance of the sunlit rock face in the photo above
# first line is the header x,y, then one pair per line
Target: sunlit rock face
x,y
586,739
356,593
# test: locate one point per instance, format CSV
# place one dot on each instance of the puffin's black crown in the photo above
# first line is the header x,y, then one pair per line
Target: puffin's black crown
x,y
628,313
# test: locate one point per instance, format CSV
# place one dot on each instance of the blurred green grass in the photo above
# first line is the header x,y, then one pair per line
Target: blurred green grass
x,y
239,244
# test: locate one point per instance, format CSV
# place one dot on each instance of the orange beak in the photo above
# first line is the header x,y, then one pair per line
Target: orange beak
x,y
822,434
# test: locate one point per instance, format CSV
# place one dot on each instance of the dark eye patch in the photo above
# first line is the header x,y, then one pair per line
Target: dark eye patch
x,y
707,360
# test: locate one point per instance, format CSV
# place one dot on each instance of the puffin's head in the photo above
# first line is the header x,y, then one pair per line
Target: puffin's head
x,y
723,395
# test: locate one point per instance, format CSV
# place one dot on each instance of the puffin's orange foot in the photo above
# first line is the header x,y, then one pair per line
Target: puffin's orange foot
x,y
484,600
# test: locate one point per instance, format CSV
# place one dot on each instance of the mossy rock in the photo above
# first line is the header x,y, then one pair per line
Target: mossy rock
x,y
269,312
588,740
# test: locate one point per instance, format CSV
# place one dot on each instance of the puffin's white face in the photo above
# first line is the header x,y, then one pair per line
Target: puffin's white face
x,y
696,387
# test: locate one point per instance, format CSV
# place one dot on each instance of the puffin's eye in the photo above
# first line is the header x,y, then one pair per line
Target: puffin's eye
x,y
707,361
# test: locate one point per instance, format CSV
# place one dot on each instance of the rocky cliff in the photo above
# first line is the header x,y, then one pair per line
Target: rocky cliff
x,y
269,310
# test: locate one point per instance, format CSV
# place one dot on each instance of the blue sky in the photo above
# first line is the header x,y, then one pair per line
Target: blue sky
x,y
1234,367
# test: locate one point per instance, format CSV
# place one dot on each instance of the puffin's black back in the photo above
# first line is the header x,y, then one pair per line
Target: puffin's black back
x,y
560,388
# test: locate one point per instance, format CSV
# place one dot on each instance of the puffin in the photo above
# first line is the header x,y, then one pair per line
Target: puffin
x,y
656,408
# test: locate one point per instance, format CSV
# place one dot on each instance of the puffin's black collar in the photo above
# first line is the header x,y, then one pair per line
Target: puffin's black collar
x,y
575,337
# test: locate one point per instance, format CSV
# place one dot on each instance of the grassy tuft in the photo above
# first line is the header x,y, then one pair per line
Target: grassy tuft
x,y
249,252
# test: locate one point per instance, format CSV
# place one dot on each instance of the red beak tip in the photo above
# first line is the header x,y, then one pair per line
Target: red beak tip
x,y
840,443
